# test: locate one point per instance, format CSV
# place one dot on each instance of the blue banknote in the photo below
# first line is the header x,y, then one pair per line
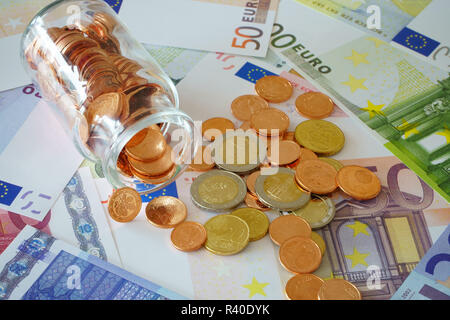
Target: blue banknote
x,y
36,266
430,280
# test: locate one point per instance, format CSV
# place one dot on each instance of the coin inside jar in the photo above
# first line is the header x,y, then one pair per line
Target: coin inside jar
x,y
106,105
188,236
156,167
202,160
166,212
285,227
314,105
244,106
274,89
147,145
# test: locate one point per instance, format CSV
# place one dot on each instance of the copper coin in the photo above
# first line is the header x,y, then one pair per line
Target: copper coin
x,y
338,289
316,176
108,105
166,212
274,89
253,202
147,145
270,122
214,127
250,181
306,154
290,135
285,227
245,125
156,167
314,105
188,236
244,106
123,165
300,255
303,287
288,152
358,182
162,178
124,204
203,160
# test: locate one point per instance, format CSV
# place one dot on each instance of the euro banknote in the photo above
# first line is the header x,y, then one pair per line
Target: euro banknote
x,y
416,26
406,206
430,280
76,218
38,266
403,100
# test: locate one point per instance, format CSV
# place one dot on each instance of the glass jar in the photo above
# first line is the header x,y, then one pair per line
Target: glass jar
x,y
111,94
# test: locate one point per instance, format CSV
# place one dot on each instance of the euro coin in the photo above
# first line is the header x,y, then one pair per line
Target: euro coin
x,y
108,105
320,136
166,212
314,105
214,127
285,227
303,287
338,289
358,182
318,212
286,153
226,234
218,190
335,163
124,204
188,236
316,176
147,145
257,221
251,180
243,107
279,191
156,167
203,160
300,255
253,202
270,122
319,241
274,89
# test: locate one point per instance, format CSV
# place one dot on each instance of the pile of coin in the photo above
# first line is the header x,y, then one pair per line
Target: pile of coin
x,y
107,88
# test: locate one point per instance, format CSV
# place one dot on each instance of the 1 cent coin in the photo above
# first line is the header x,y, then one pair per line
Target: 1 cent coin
x,y
316,176
303,287
166,212
358,182
124,204
314,105
285,227
274,89
188,236
214,127
300,255
338,289
244,106
270,122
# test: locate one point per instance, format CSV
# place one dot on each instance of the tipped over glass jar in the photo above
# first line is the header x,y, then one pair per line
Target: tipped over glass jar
x,y
116,102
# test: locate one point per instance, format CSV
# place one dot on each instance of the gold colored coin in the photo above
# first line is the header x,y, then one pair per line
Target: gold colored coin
x,y
285,227
335,163
270,122
314,105
338,289
226,234
257,221
218,189
358,182
320,136
319,241
318,212
303,287
214,127
166,212
124,204
244,106
300,255
274,89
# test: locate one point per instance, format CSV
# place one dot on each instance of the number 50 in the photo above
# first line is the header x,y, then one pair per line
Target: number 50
x,y
250,36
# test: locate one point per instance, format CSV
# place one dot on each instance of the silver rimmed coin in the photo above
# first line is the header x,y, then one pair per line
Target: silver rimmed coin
x,y
218,190
279,190
318,212
239,151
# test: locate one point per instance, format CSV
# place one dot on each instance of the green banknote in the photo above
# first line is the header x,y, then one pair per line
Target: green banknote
x,y
403,100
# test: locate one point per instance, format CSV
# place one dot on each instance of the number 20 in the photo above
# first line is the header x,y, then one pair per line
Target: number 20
x,y
244,43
